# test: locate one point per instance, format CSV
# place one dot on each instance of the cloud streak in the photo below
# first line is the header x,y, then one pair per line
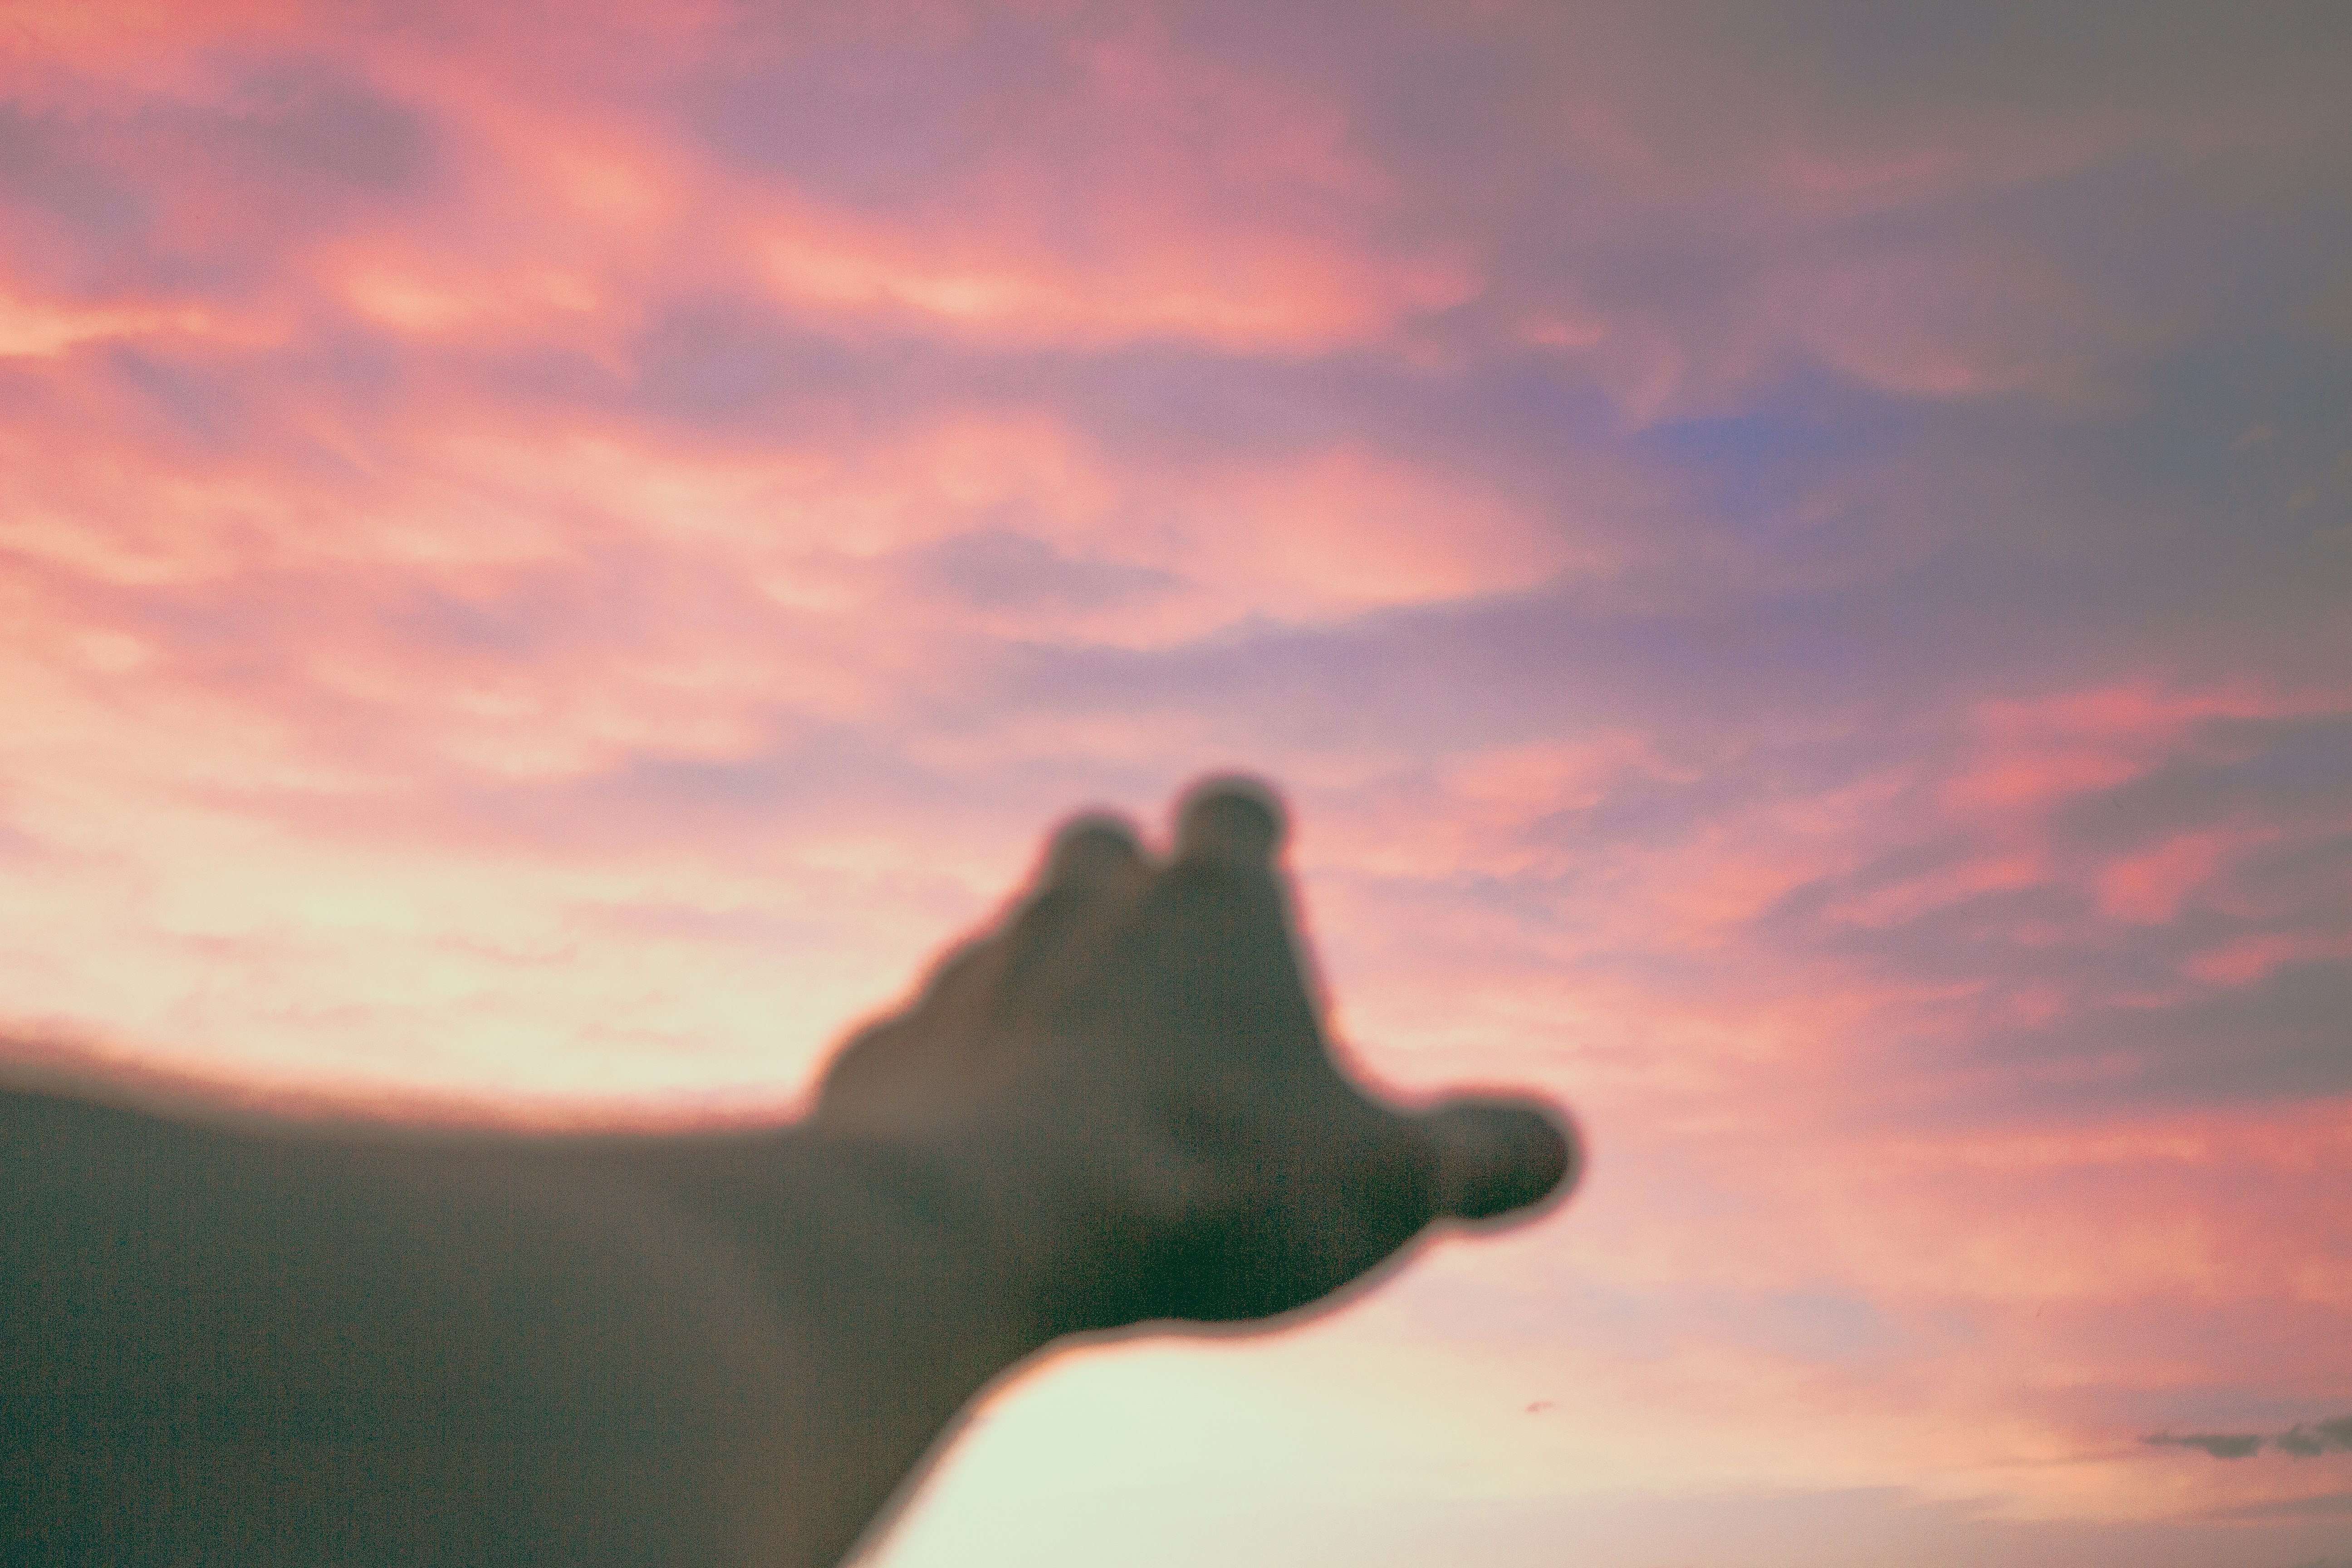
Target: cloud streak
x,y
2303,1440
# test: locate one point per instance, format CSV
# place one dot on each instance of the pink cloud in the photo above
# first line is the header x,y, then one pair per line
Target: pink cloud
x,y
2149,886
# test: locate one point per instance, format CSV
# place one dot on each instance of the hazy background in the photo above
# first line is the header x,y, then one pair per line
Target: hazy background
x,y
1795,561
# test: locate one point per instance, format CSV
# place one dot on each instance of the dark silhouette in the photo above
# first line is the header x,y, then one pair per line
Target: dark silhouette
x,y
292,1346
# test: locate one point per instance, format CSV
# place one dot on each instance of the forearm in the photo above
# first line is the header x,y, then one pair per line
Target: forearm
x,y
695,1352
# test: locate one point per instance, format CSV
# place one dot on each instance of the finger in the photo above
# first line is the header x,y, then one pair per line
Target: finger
x,y
1208,951
1094,861
1496,1155
1233,819
1093,854
1095,849
1093,867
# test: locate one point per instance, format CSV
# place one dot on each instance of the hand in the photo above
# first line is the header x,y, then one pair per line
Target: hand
x,y
1132,1065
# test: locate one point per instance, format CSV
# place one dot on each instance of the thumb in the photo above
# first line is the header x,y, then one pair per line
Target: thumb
x,y
1495,1155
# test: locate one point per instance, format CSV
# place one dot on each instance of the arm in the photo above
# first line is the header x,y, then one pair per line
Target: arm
x,y
1117,1108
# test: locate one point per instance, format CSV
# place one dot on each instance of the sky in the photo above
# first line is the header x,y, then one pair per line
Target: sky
x,y
1792,559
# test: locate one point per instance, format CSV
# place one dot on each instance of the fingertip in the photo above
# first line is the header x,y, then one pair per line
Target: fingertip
x,y
1092,848
1567,1164
1497,1156
1232,818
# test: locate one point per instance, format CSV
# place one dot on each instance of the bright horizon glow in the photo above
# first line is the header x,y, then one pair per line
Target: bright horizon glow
x,y
1796,570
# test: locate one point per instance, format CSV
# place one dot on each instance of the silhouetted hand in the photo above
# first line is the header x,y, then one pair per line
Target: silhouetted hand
x,y
1131,1070
273,1345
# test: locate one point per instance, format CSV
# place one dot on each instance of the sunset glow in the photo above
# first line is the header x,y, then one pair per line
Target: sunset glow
x,y
1796,571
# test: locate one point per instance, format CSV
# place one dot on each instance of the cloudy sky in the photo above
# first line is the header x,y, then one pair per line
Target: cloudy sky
x,y
1794,560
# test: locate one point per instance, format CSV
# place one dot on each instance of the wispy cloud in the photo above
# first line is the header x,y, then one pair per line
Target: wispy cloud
x,y
2302,1440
